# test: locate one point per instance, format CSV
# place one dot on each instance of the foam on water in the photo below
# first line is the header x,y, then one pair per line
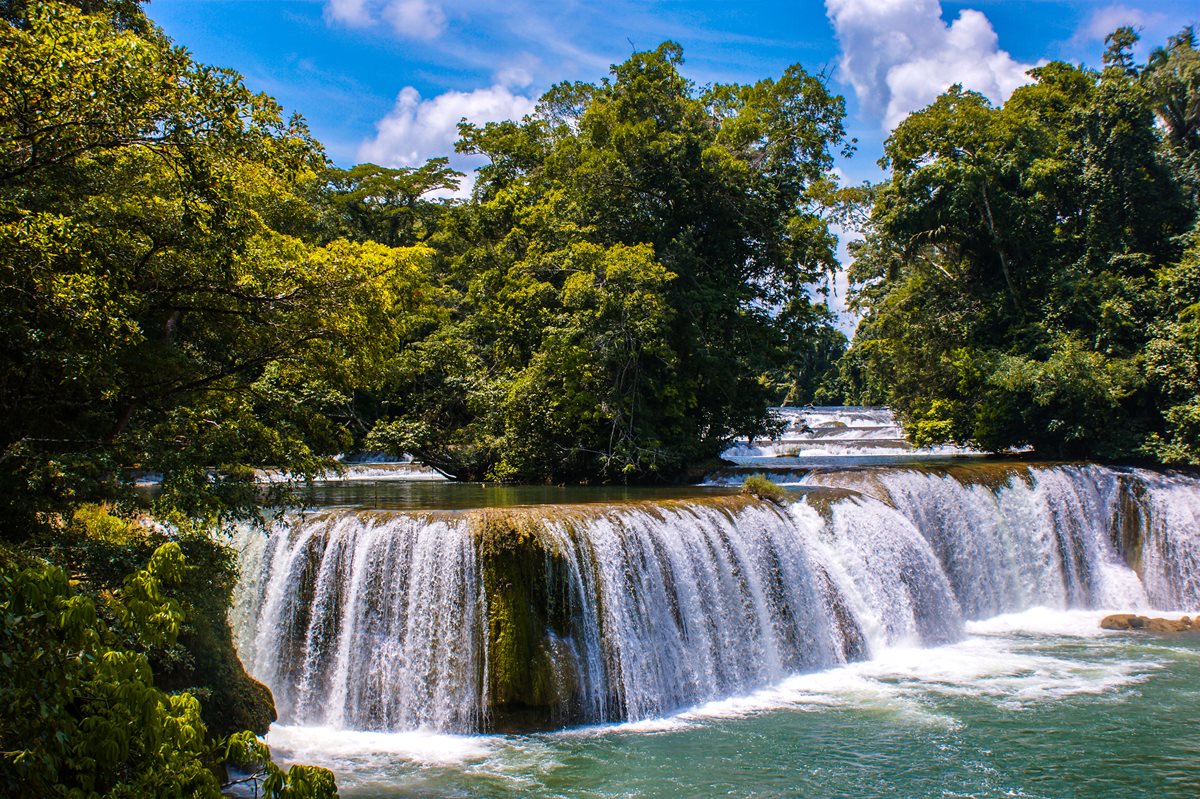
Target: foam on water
x,y
1012,660
373,471
320,744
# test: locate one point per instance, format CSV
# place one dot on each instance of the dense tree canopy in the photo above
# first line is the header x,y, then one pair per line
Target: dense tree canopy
x,y
190,289
168,305
631,268
1025,272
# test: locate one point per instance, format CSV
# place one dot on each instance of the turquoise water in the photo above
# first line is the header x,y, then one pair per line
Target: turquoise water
x,y
1041,704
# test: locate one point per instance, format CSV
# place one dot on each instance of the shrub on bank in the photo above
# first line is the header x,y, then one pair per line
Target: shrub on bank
x,y
758,486
82,713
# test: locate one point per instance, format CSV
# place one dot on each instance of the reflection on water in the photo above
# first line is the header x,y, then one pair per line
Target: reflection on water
x,y
429,495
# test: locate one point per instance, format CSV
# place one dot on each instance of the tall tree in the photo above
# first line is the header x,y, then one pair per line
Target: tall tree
x,y
623,264
167,306
1010,268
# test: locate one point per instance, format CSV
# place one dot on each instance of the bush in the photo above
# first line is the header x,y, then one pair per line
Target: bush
x,y
99,548
762,488
82,716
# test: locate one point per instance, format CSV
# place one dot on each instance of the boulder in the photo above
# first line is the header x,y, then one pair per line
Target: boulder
x,y
1131,621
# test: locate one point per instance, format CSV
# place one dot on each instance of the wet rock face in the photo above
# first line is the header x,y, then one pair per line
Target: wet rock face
x,y
1130,621
532,679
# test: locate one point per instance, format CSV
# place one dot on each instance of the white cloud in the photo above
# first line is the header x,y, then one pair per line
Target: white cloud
x,y
899,55
416,130
414,19
348,12
518,72
1107,19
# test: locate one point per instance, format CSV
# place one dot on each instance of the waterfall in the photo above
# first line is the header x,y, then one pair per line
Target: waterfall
x,y
1014,539
364,621
539,617
834,432
691,602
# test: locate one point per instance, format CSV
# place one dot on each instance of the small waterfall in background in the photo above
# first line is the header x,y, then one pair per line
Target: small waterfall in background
x,y
400,620
835,432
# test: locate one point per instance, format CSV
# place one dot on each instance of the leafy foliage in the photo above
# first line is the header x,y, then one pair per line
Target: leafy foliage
x,y
630,274
97,549
388,206
82,716
1021,274
168,304
298,782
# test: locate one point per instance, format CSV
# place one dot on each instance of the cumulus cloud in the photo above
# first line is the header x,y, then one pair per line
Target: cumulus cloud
x,y
416,129
415,19
517,72
899,55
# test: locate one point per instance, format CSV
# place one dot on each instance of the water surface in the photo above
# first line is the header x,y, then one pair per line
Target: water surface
x,y
1041,704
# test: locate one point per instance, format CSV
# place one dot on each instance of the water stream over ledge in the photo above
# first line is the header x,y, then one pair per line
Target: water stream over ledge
x,y
715,644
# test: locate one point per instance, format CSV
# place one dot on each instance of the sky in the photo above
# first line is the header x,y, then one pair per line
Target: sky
x,y
387,81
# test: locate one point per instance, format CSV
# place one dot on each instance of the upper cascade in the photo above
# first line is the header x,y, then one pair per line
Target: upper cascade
x,y
537,617
835,432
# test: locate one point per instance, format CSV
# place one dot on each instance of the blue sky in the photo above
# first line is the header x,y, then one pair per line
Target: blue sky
x,y
385,80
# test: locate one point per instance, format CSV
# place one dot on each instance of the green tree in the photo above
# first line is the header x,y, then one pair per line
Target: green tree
x,y
1172,77
1173,359
388,206
172,303
631,267
1009,270
168,303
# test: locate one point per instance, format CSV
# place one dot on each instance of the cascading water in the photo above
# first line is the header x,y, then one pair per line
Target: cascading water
x,y
1011,539
364,621
374,620
1170,541
835,432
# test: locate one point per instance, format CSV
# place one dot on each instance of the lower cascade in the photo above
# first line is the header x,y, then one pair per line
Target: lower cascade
x,y
541,617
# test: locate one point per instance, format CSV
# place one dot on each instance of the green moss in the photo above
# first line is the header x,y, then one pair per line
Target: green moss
x,y
531,682
758,486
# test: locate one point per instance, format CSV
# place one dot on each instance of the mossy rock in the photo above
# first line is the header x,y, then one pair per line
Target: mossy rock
x,y
231,700
531,678
764,488
1128,523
